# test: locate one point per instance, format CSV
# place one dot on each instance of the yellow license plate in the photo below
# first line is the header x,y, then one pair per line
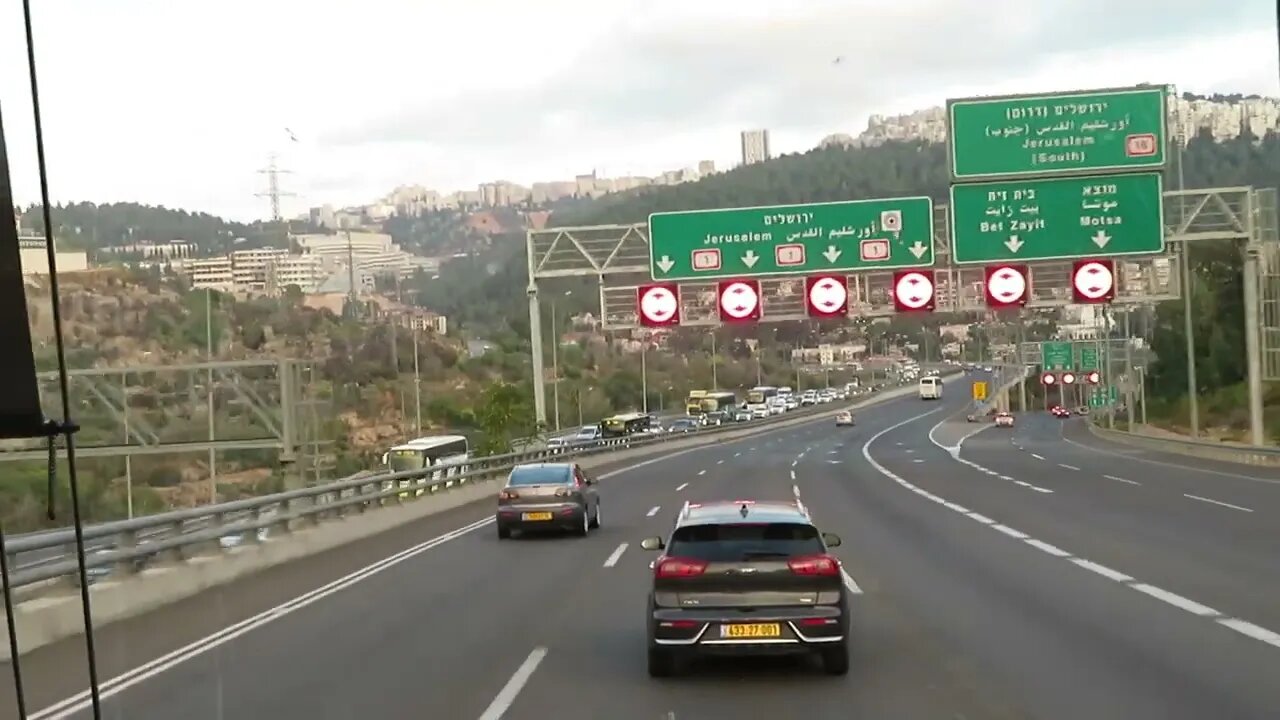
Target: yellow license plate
x,y
753,630
537,516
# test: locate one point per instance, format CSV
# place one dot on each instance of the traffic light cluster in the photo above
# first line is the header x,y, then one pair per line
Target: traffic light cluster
x,y
741,300
1067,377
1009,285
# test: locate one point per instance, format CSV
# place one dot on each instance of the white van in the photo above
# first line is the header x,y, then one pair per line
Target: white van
x,y
930,388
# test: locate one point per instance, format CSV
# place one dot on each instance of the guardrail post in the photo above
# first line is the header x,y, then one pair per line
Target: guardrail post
x,y
126,540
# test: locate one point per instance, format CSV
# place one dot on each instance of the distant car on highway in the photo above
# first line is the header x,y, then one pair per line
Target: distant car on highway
x,y
1060,412
682,425
742,415
844,418
1004,419
548,496
746,578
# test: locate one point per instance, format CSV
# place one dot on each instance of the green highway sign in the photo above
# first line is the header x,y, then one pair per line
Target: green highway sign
x,y
1088,358
1058,133
1057,218
791,239
1098,397
1056,355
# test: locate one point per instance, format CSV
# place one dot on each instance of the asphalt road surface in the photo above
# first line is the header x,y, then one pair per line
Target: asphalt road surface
x,y
1013,578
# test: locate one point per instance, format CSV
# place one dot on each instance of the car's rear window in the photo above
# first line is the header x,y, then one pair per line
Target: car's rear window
x,y
738,542
556,475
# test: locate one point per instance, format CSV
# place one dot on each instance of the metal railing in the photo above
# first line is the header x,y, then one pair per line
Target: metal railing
x,y
125,546
1228,452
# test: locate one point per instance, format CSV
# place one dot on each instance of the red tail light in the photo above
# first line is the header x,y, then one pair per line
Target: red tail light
x,y
817,622
821,565
673,567
508,495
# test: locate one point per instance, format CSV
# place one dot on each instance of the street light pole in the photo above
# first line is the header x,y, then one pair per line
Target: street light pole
x,y
644,375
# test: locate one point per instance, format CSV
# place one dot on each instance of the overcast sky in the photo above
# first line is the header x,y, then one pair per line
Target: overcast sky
x,y
177,103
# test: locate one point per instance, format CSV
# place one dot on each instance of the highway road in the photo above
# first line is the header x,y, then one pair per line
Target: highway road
x,y
1011,579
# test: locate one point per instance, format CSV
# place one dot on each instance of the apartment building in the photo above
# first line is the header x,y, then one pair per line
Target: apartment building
x,y
755,146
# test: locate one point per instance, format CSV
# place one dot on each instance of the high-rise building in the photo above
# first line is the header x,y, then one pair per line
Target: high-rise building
x,y
755,146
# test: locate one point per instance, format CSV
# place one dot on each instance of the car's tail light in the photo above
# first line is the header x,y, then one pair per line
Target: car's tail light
x,y
508,495
680,624
821,565
674,567
817,622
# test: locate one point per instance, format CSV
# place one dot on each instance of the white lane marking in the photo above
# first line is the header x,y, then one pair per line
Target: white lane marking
x,y
1198,470
613,557
508,693
898,444
1038,457
1176,600
795,490
682,486
1217,502
917,460
1046,547
702,472
910,450
1120,479
720,462
802,452
833,452
653,510
1068,467
69,706
1102,570
849,582
793,474
834,462
1011,532
737,454
1245,627
795,462
1172,599
958,508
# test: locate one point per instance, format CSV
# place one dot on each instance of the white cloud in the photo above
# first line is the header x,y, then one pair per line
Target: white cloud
x,y
172,102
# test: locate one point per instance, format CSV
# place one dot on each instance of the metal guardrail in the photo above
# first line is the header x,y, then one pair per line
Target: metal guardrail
x,y
127,545
1228,452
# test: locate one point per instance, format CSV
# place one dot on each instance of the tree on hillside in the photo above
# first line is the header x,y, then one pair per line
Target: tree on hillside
x,y
503,413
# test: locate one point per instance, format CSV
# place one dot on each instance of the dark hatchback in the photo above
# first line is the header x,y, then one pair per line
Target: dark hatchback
x,y
548,496
746,578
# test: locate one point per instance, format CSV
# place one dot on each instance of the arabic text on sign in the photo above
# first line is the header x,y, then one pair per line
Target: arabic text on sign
x,y
747,237
788,218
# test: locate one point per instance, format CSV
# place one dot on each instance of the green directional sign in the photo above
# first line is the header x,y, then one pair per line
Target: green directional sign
x,y
1057,219
1088,358
791,239
1104,396
1056,355
1058,133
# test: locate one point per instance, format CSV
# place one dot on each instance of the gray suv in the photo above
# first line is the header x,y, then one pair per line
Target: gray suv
x,y
746,578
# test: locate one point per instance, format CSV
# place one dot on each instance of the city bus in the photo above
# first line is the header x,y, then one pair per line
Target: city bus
x,y
625,424
719,400
449,453
760,395
693,404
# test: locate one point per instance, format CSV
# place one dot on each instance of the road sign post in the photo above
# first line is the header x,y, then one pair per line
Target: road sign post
x,y
1118,130
1057,219
791,239
1056,356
